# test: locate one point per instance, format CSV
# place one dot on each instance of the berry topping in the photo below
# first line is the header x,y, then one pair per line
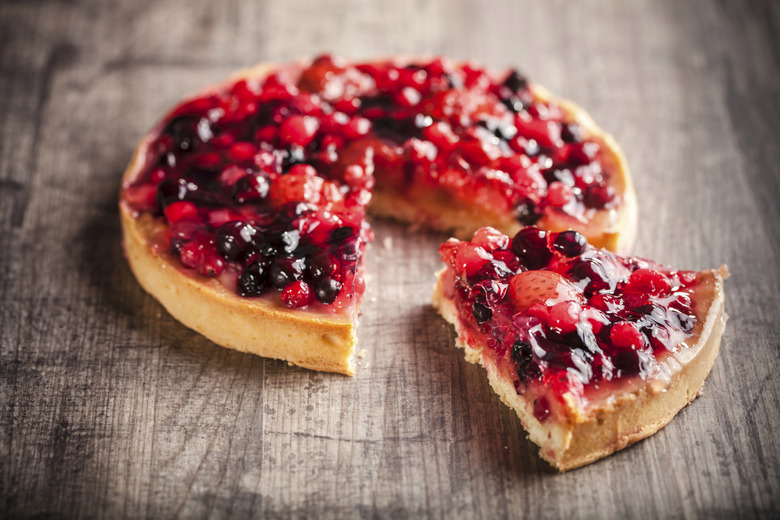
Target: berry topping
x,y
270,178
565,314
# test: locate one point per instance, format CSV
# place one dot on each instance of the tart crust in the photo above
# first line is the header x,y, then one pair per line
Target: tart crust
x,y
303,338
613,423
313,340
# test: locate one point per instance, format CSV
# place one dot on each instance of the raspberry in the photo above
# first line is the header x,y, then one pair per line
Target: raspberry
x,y
649,281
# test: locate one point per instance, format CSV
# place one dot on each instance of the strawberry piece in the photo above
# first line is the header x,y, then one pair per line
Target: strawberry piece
x,y
546,287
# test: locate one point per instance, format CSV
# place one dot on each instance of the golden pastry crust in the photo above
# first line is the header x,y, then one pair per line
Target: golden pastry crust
x,y
623,417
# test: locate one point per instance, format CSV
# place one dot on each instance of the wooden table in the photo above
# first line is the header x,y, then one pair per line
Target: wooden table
x,y
111,409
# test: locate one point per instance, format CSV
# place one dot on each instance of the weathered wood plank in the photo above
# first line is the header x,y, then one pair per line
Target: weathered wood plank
x,y
112,409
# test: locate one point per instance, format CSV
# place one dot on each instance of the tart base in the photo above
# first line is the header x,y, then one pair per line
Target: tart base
x,y
604,429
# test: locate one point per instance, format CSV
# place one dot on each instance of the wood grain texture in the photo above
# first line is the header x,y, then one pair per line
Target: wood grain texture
x,y
111,409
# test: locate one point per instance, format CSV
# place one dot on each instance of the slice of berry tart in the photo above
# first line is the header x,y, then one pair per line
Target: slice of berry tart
x,y
243,210
594,351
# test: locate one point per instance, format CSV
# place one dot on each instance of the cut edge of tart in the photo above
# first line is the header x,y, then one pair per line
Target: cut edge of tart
x,y
261,326
580,431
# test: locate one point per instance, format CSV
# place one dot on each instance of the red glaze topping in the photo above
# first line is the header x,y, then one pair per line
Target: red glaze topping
x,y
564,314
264,183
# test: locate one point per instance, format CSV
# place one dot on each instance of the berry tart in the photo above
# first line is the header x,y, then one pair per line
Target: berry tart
x,y
594,351
243,210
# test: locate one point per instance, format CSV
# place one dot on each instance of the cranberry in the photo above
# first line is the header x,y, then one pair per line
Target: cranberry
x,y
570,243
242,151
327,290
191,254
441,135
211,265
625,334
233,239
357,127
530,244
299,130
297,295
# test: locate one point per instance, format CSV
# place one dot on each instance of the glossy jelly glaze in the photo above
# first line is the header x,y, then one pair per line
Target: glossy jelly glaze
x,y
563,317
263,183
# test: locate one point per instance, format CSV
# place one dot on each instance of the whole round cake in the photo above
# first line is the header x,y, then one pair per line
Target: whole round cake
x,y
244,208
